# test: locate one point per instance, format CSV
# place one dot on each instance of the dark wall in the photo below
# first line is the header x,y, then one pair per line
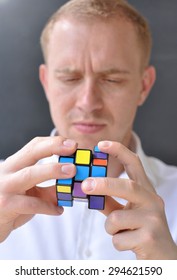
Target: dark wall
x,y
24,110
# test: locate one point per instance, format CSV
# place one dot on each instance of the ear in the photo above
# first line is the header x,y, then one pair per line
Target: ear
x,y
43,76
148,80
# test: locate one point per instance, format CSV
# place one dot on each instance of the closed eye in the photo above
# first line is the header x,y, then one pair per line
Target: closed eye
x,y
69,79
114,81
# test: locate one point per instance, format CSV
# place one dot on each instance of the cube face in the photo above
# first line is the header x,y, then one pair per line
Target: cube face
x,y
99,155
64,196
96,202
66,159
100,162
77,191
64,181
88,164
82,173
66,203
64,189
83,157
98,171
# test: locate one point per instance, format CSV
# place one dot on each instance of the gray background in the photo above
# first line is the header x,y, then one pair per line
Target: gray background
x,y
24,111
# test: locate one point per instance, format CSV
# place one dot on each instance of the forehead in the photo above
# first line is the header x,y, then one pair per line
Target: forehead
x,y
94,38
88,28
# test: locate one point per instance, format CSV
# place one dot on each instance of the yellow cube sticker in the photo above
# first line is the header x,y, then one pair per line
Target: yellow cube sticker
x,y
83,157
64,189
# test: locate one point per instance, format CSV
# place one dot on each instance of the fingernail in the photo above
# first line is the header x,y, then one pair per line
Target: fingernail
x,y
60,210
67,168
88,185
69,143
105,144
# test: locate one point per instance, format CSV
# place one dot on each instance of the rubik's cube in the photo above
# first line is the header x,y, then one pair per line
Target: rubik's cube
x,y
88,164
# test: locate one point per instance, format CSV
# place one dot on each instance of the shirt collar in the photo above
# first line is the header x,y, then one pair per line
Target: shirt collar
x,y
54,132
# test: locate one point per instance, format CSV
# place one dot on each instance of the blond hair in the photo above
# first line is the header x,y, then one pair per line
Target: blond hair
x,y
106,10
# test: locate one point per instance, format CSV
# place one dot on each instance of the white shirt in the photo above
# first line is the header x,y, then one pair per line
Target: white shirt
x,y
79,233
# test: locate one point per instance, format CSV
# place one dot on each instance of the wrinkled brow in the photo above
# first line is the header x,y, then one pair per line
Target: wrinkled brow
x,y
110,71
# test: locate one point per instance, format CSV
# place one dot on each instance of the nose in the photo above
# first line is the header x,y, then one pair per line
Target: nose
x,y
89,97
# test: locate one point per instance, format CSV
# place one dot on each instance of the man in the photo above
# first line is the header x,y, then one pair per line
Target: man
x,y
96,74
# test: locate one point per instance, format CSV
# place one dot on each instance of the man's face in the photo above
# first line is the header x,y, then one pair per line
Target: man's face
x,y
93,80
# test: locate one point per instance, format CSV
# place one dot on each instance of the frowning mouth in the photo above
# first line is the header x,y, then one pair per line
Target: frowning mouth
x,y
88,128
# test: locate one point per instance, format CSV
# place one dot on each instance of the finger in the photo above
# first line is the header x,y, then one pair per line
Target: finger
x,y
21,220
129,160
122,188
127,240
27,205
47,194
8,225
111,205
38,148
28,177
122,220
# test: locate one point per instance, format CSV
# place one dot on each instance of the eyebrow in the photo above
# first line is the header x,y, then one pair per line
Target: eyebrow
x,y
66,70
115,71
110,71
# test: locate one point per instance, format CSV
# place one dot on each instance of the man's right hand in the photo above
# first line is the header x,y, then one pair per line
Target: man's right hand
x,y
20,198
